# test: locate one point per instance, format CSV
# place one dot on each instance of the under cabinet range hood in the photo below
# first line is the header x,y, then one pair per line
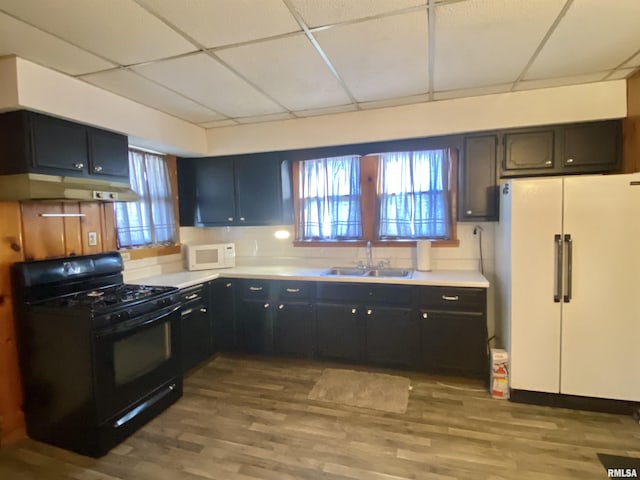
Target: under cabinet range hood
x,y
34,186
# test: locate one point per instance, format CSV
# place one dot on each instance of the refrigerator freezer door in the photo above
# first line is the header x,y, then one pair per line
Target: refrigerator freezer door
x,y
601,324
535,323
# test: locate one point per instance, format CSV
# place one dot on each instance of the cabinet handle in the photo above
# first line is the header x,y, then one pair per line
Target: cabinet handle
x,y
449,298
548,162
79,166
191,297
255,289
228,285
469,212
186,312
280,307
425,315
354,310
569,160
369,312
230,219
203,310
98,168
242,219
266,305
293,290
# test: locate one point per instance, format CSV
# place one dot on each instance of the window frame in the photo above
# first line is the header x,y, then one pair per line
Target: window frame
x,y
370,207
136,253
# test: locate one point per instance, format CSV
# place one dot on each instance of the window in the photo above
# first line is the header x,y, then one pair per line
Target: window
x,y
151,220
388,197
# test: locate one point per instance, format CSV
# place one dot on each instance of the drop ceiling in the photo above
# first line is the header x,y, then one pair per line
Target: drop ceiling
x,y
227,62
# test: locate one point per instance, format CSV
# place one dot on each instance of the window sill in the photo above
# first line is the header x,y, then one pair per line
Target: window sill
x,y
376,243
147,252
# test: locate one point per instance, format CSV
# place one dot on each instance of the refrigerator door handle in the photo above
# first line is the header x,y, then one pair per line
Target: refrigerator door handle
x,y
557,239
569,242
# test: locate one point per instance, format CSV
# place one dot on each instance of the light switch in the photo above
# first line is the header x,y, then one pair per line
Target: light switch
x,y
93,239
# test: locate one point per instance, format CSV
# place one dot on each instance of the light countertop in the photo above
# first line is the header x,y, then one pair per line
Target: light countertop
x,y
445,278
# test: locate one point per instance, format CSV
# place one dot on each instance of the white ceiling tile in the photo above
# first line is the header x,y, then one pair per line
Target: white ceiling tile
x,y
560,81
634,62
128,84
18,38
289,70
473,92
208,82
326,12
592,36
395,102
265,118
485,42
119,30
219,123
380,58
326,111
223,22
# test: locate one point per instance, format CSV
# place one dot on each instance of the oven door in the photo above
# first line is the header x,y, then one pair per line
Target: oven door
x,y
135,357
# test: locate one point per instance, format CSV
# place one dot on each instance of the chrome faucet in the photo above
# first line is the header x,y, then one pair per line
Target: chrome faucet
x,y
369,255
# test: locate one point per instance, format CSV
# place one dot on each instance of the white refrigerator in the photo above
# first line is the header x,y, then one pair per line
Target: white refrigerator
x,y
568,268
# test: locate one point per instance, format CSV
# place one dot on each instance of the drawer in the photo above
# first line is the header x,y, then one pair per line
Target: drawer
x,y
342,292
293,290
193,294
255,289
389,294
462,299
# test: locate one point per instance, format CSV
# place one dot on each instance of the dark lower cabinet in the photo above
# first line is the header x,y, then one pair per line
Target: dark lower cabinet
x,y
223,315
454,342
255,327
391,336
294,329
195,335
338,332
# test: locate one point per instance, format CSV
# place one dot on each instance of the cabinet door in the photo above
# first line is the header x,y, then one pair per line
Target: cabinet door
x,y
532,150
591,147
108,154
223,315
478,190
258,190
338,331
59,146
392,335
454,342
195,335
294,329
255,326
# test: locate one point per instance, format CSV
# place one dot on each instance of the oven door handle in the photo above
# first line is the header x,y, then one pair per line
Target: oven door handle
x,y
137,323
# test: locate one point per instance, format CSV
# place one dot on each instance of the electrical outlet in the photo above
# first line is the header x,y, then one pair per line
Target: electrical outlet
x,y
93,239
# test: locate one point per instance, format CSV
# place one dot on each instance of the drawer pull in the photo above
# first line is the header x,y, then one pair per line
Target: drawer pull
x,y
191,297
354,310
255,289
228,285
425,315
450,298
280,307
79,166
203,310
187,312
266,305
369,312
293,290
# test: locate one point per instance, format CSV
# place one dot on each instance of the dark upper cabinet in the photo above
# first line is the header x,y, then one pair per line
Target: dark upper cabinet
x,y
477,179
593,147
36,143
237,190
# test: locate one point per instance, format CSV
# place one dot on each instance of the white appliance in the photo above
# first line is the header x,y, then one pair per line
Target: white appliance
x,y
568,267
209,256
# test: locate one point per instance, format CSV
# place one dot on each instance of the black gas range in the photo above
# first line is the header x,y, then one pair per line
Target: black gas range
x,y
99,357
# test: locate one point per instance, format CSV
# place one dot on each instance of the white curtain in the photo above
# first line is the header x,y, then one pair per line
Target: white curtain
x,y
151,220
330,199
413,195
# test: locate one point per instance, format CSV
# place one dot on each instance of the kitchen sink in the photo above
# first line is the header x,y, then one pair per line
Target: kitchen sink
x,y
389,272
368,272
352,271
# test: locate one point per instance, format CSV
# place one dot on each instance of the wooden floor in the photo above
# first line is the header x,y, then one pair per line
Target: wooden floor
x,y
248,418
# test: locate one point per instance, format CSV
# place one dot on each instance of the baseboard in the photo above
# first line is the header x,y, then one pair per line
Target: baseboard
x,y
575,402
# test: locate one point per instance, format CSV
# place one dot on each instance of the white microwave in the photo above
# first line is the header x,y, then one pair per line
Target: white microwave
x,y
208,256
